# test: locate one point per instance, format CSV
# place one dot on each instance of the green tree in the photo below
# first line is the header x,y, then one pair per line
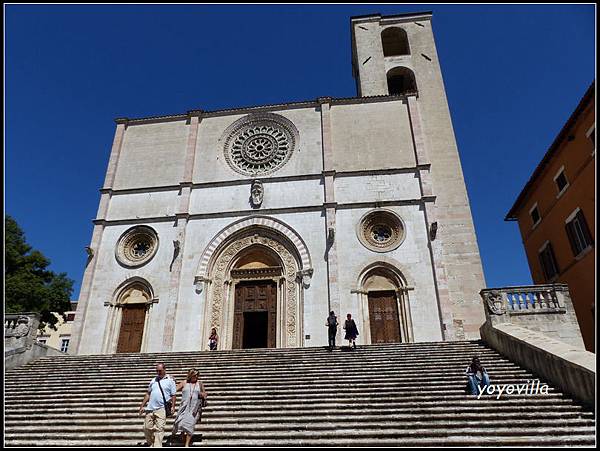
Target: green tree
x,y
29,285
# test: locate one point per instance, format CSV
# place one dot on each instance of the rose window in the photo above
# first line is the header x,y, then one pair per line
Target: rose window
x,y
141,248
259,144
381,230
137,246
381,233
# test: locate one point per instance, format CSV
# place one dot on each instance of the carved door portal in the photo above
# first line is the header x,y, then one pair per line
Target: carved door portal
x,y
383,315
132,328
255,314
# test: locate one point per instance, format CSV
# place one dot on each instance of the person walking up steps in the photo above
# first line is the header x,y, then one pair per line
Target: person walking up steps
x,y
351,331
332,326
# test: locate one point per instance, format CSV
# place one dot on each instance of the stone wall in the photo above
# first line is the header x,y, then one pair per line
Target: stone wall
x,y
460,271
20,345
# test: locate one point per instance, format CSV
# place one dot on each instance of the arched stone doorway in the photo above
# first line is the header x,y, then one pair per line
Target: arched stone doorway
x,y
385,307
253,275
128,317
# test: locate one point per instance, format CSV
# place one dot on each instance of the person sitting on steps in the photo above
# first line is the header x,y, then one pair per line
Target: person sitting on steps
x,y
478,376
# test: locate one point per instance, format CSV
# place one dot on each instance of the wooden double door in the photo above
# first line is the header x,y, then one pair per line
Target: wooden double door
x,y
255,315
131,333
384,318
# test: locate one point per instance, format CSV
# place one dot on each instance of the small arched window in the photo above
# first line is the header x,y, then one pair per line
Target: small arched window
x,y
401,80
395,42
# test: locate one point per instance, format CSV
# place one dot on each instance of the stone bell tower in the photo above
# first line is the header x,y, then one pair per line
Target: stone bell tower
x,y
396,55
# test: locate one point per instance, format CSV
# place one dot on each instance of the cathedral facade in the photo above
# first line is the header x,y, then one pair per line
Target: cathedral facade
x,y
259,221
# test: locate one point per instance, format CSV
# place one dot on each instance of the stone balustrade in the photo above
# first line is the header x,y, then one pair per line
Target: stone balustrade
x,y
542,308
526,299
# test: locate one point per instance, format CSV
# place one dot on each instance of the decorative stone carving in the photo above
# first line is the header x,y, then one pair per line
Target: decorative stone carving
x,y
137,246
494,301
199,282
256,193
305,276
20,330
381,230
330,234
433,230
90,252
259,143
221,276
176,249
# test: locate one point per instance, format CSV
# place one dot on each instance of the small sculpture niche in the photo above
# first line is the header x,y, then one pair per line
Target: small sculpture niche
x,y
256,193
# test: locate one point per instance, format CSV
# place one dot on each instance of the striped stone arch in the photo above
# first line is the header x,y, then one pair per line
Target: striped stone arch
x,y
254,221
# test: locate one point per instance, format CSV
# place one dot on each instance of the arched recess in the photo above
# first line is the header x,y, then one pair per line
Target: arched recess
x,y
383,297
395,42
401,80
128,317
231,259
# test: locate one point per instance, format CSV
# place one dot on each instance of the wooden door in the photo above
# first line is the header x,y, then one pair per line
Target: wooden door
x,y
255,296
132,328
383,316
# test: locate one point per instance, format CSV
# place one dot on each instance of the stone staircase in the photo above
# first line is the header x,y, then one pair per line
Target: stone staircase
x,y
388,395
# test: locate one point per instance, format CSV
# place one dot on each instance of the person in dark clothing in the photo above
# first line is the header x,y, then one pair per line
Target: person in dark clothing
x,y
332,326
351,331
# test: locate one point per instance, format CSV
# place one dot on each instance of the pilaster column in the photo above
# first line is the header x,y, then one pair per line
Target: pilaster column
x,y
88,275
181,221
330,207
434,242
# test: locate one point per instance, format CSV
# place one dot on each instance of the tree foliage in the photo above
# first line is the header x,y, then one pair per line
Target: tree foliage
x,y
29,285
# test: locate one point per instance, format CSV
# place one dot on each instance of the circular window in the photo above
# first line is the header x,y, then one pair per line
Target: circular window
x,y
259,144
137,246
381,230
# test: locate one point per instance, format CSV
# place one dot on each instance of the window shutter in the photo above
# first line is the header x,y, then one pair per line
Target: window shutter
x,y
584,228
572,238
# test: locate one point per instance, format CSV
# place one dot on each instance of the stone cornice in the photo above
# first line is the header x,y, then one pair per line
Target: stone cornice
x,y
393,18
266,211
262,108
277,179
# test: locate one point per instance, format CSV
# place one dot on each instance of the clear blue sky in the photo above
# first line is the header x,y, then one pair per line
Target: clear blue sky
x,y
513,75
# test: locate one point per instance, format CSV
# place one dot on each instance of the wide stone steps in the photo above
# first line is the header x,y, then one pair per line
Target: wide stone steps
x,y
380,395
209,421
484,439
304,393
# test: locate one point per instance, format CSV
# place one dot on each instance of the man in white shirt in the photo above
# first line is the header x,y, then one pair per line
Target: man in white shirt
x,y
153,405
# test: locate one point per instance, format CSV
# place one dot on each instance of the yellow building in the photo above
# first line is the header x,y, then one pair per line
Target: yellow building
x,y
61,337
